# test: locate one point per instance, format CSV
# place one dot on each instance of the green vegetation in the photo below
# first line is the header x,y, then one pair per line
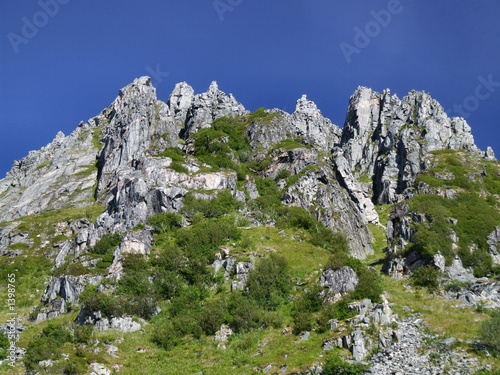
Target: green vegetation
x,y
174,153
4,345
490,333
52,342
222,204
107,243
269,283
336,365
426,276
477,218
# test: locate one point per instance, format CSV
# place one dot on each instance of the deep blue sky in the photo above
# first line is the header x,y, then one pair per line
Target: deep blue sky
x,y
267,53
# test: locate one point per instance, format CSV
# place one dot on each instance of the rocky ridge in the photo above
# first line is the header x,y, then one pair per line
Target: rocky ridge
x,y
113,160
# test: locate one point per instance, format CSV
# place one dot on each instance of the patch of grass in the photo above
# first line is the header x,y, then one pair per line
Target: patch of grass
x,y
438,312
290,144
89,170
97,135
174,153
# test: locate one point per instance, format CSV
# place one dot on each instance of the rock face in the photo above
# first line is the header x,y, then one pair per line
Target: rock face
x,y
390,138
210,106
135,121
306,123
478,293
67,287
321,192
340,281
494,243
457,271
59,175
123,323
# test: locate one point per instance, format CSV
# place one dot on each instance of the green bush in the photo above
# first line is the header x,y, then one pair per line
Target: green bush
x,y
45,346
335,365
174,153
307,304
165,222
427,277
107,243
269,283
4,345
369,285
219,206
204,238
74,368
95,301
477,218
244,312
490,333
324,237
83,334
282,175
295,217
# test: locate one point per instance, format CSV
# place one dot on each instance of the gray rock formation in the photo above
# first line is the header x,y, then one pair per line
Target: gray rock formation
x,y
356,193
68,287
480,293
320,192
340,281
180,101
494,245
210,106
306,123
136,121
390,138
123,324
59,175
457,271
242,271
417,352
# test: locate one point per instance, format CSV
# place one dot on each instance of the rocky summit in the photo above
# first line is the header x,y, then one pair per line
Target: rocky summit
x,y
193,236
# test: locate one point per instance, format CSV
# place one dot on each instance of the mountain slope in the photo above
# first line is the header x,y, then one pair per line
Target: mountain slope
x,y
165,224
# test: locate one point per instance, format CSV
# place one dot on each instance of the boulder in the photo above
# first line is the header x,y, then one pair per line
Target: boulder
x,y
339,281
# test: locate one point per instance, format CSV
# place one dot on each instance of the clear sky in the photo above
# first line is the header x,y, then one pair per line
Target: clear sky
x,y
63,61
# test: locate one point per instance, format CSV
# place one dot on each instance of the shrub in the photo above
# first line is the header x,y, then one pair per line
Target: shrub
x,y
336,365
308,303
204,238
95,301
333,242
244,313
427,277
213,315
179,167
165,222
45,346
174,153
296,217
107,243
4,345
490,333
74,368
283,174
83,334
221,205
369,285
269,283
